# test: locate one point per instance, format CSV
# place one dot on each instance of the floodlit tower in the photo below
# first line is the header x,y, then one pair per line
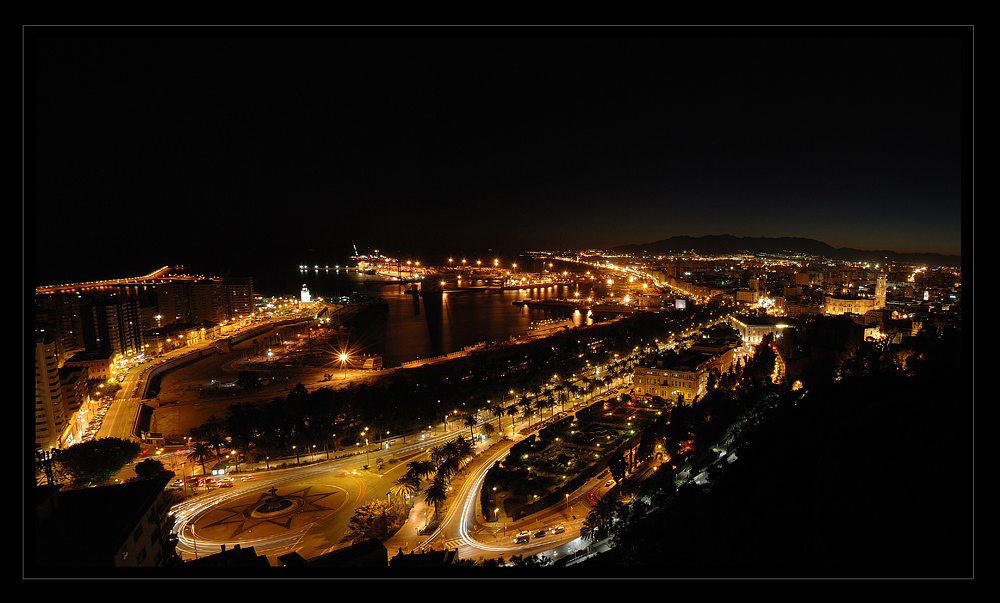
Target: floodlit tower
x,y
880,292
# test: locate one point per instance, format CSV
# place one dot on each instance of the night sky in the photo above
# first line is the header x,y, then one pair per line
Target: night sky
x,y
224,148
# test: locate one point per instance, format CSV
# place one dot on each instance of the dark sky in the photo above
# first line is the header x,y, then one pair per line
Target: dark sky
x,y
221,147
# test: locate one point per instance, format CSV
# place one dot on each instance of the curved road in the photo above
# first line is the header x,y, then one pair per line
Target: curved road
x,y
324,493
327,493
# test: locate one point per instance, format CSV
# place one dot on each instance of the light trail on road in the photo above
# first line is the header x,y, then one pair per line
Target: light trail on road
x,y
187,513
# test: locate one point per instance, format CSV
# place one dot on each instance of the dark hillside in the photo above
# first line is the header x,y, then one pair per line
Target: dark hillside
x,y
870,478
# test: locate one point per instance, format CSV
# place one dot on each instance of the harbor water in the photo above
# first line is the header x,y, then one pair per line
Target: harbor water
x,y
414,329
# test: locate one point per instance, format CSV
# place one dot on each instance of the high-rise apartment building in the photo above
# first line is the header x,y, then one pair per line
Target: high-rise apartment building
x,y
195,302
51,415
111,324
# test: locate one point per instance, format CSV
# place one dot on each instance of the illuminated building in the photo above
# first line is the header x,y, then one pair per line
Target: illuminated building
x,y
684,375
51,417
853,304
752,329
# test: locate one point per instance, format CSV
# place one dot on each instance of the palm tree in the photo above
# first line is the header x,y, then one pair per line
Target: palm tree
x,y
497,410
216,440
463,448
526,406
470,422
450,449
512,411
538,390
436,494
437,454
405,487
560,390
200,452
448,468
547,402
419,469
588,530
487,430
604,511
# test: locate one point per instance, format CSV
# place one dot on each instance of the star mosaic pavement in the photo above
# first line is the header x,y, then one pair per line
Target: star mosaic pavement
x,y
234,521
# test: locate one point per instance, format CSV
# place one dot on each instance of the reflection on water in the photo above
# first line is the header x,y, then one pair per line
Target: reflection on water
x,y
416,329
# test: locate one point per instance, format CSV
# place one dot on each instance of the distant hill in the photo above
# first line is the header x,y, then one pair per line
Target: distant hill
x,y
725,244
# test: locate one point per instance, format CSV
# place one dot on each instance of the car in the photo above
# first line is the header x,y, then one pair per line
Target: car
x,y
225,484
609,483
540,533
521,537
558,529
248,478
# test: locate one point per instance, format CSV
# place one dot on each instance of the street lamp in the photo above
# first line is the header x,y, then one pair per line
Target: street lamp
x,y
343,363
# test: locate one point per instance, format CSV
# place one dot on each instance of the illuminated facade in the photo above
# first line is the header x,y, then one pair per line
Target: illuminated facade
x,y
685,376
112,325
51,415
752,329
835,305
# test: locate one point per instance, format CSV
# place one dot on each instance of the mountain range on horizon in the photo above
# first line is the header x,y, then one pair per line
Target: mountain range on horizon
x,y
726,244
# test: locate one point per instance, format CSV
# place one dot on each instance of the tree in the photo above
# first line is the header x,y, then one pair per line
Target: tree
x,y
377,519
616,465
498,409
600,517
150,469
96,461
436,494
216,440
588,530
471,422
512,411
405,487
419,469
448,468
546,403
461,447
526,407
562,392
200,452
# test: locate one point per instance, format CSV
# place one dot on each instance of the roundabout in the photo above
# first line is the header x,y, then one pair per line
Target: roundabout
x,y
264,515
